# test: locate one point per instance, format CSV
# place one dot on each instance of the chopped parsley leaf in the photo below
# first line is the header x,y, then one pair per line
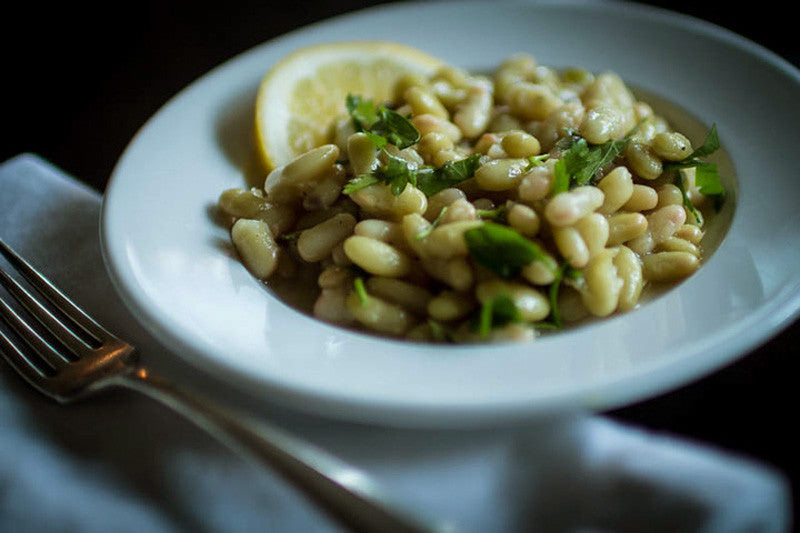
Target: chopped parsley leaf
x,y
501,249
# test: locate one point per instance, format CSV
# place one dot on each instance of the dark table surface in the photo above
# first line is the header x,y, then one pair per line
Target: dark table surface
x,y
80,81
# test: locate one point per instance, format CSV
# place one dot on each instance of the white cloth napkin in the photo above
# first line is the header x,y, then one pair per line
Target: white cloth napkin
x,y
121,463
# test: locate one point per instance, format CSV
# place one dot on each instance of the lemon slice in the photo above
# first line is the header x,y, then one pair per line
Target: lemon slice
x,y
304,93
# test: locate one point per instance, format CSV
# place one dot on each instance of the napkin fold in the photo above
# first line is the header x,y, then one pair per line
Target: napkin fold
x,y
122,463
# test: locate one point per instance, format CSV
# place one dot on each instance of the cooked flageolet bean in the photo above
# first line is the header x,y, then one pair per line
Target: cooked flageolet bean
x,y
426,124
376,257
669,266
379,315
444,156
312,218
671,146
414,227
256,246
523,219
279,218
406,295
539,272
327,190
500,174
520,144
536,184
442,199
669,194
559,123
288,184
593,229
571,246
676,244
531,304
486,142
603,285
570,305
315,244
643,198
378,200
335,276
617,187
643,244
362,153
331,306
567,208
423,101
339,257
456,272
532,101
486,204
421,333
447,94
406,81
629,270
450,305
691,233
382,230
456,77
459,211
665,221
512,332
343,128
504,121
643,160
446,241
432,143
602,123
410,155
473,114
608,89
241,203
623,227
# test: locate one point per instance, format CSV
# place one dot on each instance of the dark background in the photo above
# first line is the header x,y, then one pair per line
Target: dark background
x,y
79,81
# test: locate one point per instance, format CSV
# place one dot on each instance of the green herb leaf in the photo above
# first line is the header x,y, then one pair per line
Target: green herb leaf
x,y
687,202
359,182
564,271
362,112
501,249
498,214
397,129
430,181
580,163
706,176
536,161
361,291
560,177
382,124
496,312
710,145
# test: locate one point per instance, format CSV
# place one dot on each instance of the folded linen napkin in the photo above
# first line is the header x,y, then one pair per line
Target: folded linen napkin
x,y
123,463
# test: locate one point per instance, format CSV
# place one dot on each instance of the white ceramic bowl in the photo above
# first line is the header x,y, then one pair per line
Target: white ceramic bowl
x,y
169,261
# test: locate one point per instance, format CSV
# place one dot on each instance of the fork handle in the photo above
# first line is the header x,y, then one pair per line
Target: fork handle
x,y
343,491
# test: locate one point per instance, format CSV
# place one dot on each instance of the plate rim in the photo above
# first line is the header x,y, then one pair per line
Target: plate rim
x,y
345,407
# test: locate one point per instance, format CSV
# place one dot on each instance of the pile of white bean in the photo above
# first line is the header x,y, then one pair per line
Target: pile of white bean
x,y
628,231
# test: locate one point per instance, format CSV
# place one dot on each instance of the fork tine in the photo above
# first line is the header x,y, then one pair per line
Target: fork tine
x,y
20,362
43,315
30,336
56,297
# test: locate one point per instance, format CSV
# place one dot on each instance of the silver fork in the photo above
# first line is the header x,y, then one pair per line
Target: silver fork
x,y
90,359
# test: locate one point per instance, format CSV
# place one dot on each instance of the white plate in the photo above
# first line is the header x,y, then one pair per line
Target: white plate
x,y
168,258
